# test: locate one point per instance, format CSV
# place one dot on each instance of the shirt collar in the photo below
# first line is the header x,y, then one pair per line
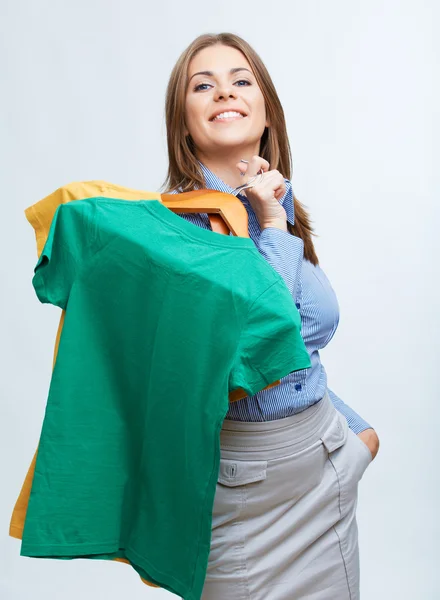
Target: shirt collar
x,y
215,183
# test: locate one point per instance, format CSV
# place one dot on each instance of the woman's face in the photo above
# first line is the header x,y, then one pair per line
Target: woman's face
x,y
220,91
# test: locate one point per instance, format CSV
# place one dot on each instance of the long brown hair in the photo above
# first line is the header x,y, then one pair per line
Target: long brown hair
x,y
183,167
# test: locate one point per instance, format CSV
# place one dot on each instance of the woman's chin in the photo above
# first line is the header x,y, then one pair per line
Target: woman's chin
x,y
232,141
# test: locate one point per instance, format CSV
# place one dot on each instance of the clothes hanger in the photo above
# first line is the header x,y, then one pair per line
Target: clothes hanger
x,y
226,214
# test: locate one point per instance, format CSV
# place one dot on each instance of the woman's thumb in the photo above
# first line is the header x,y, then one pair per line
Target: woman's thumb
x,y
242,167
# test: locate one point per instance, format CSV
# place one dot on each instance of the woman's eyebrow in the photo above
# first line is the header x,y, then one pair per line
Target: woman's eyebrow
x,y
211,73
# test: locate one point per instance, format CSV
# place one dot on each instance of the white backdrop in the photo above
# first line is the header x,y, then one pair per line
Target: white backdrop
x,y
83,87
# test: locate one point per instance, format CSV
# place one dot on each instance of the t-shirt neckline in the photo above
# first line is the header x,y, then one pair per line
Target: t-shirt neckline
x,y
159,210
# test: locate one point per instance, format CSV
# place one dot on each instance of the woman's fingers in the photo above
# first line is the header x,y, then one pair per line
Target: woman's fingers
x,y
264,195
273,180
273,183
280,191
253,167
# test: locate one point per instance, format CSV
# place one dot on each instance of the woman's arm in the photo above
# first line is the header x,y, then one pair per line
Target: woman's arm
x,y
282,250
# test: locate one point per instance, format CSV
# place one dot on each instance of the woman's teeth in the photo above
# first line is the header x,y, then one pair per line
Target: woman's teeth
x,y
228,115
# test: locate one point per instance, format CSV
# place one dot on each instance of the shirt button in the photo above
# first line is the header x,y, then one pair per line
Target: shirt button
x,y
298,305
298,387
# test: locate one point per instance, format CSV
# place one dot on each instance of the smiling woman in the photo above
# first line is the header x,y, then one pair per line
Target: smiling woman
x,y
284,515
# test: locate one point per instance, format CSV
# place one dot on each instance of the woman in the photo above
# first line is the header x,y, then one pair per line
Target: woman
x,y
284,525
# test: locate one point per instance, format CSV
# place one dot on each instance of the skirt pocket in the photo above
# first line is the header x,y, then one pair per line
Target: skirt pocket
x,y
240,472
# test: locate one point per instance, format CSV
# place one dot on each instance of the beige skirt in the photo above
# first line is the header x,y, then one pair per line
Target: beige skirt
x,y
284,516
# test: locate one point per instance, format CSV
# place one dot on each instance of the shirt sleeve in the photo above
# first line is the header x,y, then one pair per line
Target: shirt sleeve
x,y
68,244
355,422
282,250
270,345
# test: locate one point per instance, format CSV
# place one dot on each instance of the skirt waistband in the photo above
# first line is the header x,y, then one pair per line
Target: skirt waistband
x,y
280,437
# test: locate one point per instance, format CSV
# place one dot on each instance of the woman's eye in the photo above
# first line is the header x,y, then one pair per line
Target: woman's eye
x,y
199,86
196,89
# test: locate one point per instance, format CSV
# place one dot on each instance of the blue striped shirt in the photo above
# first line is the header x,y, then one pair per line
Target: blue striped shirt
x,y
317,304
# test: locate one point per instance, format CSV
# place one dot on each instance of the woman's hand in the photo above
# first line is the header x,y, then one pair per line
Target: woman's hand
x,y
370,438
264,196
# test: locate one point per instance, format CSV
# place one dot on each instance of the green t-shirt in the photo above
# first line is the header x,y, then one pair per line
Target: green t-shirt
x,y
163,320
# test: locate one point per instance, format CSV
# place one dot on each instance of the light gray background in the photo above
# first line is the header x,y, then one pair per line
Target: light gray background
x,y
82,98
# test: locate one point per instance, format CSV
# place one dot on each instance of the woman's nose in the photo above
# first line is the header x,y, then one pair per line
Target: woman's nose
x,y
225,91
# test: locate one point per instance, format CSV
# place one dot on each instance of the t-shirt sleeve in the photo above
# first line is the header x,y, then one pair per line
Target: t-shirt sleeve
x,y
69,242
270,346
